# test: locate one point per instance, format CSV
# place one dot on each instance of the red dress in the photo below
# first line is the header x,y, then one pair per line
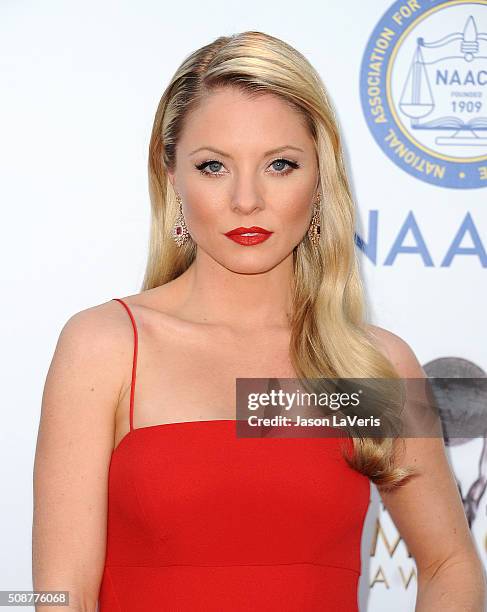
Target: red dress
x,y
200,519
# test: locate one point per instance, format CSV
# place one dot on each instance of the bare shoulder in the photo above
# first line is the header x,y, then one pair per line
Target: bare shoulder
x,y
90,367
100,324
398,351
103,331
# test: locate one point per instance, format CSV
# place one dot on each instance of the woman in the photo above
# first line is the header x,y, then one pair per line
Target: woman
x,y
144,496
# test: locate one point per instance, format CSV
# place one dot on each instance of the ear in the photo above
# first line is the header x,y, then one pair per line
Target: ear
x,y
170,176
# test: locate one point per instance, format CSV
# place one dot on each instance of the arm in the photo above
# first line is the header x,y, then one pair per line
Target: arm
x,y
74,445
477,489
429,514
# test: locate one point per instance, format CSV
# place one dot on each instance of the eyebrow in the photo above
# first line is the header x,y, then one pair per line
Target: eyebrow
x,y
223,154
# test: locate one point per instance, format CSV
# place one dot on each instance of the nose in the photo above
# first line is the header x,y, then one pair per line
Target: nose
x,y
246,198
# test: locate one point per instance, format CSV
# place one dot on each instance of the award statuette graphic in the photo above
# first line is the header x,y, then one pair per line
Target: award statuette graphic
x,y
461,394
423,89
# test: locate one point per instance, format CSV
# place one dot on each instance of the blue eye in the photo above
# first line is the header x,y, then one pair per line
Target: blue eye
x,y
208,164
211,163
286,162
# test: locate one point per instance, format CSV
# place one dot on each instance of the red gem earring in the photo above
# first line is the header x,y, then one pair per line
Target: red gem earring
x,y
180,232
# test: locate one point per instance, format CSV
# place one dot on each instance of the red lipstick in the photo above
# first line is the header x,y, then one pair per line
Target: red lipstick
x,y
248,235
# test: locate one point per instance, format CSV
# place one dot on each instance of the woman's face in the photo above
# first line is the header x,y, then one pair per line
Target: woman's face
x,y
230,174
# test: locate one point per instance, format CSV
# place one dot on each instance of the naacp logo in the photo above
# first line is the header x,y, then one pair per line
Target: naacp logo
x,y
423,87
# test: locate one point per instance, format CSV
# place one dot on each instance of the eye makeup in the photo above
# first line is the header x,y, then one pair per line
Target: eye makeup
x,y
292,165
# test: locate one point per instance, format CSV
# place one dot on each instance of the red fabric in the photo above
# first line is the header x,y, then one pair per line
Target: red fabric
x,y
200,519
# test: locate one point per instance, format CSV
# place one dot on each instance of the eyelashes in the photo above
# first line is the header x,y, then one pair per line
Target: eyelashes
x,y
292,165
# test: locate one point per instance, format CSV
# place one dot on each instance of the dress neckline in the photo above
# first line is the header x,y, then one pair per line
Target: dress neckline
x,y
176,424
164,425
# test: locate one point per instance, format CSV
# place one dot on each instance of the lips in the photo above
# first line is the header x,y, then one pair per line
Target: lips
x,y
249,236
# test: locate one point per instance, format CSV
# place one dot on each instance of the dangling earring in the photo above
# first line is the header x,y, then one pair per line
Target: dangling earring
x,y
180,230
314,228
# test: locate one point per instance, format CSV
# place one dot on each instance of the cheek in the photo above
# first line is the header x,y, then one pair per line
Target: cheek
x,y
202,212
295,215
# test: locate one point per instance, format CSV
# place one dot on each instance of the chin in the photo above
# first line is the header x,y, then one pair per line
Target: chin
x,y
252,265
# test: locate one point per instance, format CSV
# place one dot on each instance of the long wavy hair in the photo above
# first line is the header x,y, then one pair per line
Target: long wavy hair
x,y
329,334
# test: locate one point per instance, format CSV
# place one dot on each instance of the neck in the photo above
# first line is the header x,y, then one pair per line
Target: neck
x,y
211,293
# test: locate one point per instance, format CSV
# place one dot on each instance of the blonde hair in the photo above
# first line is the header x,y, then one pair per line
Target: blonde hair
x,y
329,335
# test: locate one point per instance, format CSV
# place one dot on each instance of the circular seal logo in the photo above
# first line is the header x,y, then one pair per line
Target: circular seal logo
x,y
423,89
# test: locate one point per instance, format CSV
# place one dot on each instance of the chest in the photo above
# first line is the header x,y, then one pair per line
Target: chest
x,y
192,376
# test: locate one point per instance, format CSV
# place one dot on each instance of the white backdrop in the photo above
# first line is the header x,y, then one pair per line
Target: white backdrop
x,y
80,83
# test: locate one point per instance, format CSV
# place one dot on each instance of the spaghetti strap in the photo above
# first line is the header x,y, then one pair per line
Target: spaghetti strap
x,y
134,362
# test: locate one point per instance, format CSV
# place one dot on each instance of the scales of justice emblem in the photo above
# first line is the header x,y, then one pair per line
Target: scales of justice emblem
x,y
452,66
